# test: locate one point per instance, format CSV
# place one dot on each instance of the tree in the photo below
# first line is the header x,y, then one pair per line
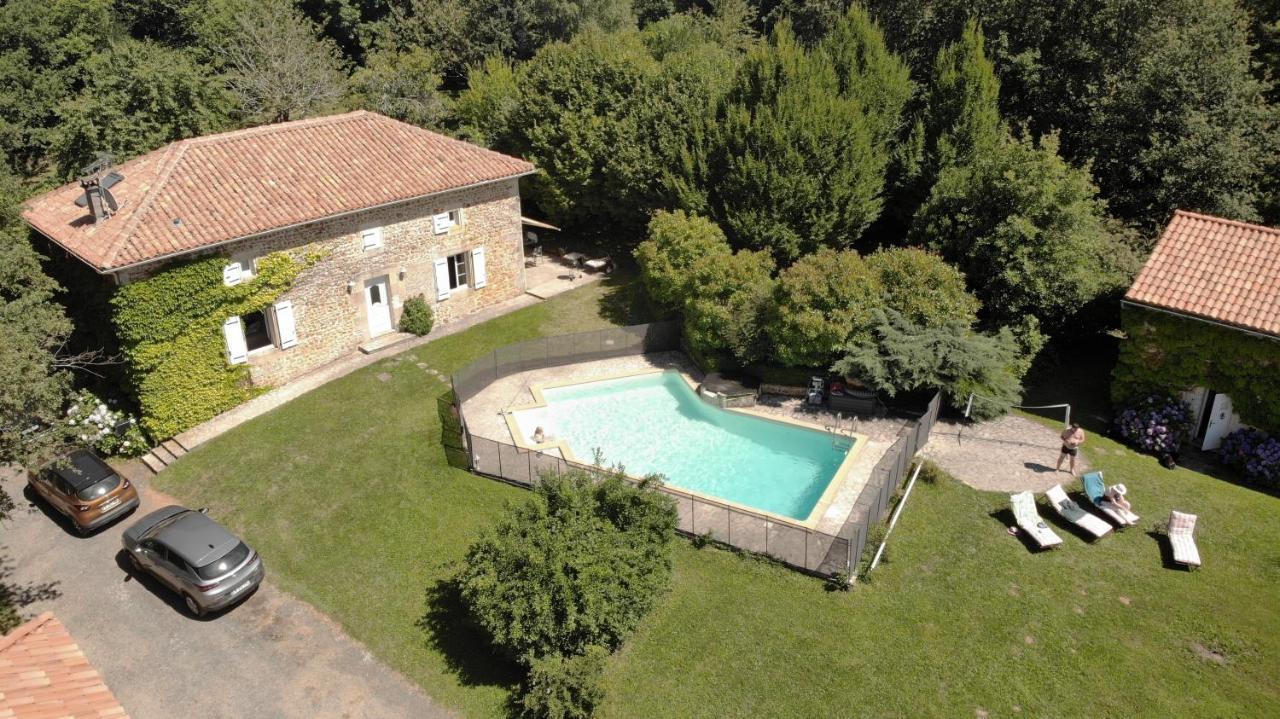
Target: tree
x,y
136,97
797,162
902,356
1028,232
677,242
278,68
730,304
401,84
823,301
483,112
576,567
922,287
36,381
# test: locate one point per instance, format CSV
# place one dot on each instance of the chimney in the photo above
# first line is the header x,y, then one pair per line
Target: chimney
x,y
97,197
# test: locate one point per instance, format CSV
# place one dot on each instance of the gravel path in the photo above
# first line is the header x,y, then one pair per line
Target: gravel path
x,y
1009,454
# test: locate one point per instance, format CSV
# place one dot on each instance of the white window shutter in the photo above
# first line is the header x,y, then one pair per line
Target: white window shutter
x,y
442,279
371,238
442,223
232,274
237,348
479,277
286,328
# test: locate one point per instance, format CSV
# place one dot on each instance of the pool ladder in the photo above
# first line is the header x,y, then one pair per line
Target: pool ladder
x,y
842,438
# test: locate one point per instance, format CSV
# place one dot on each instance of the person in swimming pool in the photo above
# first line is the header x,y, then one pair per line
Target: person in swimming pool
x,y
1072,438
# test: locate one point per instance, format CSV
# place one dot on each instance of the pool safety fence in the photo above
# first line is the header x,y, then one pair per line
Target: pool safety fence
x,y
801,547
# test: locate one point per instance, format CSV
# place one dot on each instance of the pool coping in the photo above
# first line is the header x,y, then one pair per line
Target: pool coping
x,y
837,481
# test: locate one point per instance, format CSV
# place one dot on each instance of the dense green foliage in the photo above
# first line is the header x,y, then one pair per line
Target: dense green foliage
x,y
575,567
922,287
170,330
824,300
902,356
561,687
1164,353
417,316
677,242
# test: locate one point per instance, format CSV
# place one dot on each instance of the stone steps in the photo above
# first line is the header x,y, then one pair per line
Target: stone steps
x,y
382,342
163,455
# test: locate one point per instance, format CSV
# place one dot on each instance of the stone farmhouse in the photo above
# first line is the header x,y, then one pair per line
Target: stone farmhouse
x,y
391,211
1202,320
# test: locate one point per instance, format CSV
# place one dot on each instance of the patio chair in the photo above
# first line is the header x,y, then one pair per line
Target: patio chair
x,y
1024,512
1181,532
1096,489
1073,513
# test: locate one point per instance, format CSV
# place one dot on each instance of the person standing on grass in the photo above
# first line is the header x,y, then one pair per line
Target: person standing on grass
x,y
1072,438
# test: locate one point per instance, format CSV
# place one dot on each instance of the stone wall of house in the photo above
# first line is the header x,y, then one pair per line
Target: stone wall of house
x,y
329,297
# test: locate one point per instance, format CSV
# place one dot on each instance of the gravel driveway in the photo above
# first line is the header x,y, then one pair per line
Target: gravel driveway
x,y
271,656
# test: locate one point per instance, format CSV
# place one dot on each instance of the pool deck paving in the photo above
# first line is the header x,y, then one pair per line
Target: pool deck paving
x,y
1008,454
486,416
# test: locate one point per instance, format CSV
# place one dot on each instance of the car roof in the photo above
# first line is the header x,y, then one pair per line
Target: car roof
x,y
81,469
197,539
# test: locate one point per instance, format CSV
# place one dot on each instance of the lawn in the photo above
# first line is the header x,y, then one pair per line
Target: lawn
x,y
348,494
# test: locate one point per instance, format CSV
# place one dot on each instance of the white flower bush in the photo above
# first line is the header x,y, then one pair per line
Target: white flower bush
x,y
109,431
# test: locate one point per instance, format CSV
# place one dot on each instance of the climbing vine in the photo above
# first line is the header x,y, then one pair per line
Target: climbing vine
x,y
1172,354
170,331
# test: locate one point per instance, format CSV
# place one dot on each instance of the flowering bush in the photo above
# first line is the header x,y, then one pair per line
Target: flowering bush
x,y
1253,453
1155,424
107,430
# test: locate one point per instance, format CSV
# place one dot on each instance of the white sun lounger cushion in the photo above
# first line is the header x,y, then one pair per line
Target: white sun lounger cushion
x,y
1028,519
1076,514
1182,529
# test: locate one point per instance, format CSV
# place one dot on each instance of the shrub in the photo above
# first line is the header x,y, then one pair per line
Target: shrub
x,y
417,317
107,430
823,301
676,243
564,687
576,567
1156,423
1254,454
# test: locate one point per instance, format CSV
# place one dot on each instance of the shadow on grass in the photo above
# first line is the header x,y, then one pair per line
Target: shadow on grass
x,y
1166,551
466,650
1005,517
455,449
625,301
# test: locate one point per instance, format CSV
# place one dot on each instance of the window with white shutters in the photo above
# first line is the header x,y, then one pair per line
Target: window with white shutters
x,y
442,279
232,274
479,276
371,238
237,348
285,327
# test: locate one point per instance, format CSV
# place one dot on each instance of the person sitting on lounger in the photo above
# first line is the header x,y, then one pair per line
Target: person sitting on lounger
x,y
1115,494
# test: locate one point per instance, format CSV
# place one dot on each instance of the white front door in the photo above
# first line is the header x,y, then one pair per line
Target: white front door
x,y
378,306
1219,422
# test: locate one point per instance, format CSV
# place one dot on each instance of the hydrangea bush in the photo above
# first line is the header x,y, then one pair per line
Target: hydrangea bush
x,y
1156,424
107,430
1254,454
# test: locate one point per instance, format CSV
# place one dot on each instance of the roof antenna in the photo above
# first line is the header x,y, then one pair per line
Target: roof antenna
x,y
96,179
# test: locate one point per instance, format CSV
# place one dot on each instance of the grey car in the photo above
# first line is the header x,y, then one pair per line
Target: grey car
x,y
195,556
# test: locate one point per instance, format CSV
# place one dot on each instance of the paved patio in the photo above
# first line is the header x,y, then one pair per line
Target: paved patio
x,y
552,276
485,413
1009,454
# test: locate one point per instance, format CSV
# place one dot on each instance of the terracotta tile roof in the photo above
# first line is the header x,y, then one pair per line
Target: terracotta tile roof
x,y
208,190
44,675
1214,269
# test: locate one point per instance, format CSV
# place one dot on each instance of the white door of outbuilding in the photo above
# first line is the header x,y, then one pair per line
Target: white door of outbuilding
x,y
378,306
1219,422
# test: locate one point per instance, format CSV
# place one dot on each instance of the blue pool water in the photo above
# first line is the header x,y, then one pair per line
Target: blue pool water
x,y
656,423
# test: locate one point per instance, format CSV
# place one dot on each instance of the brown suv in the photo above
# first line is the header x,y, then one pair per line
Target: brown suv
x,y
85,489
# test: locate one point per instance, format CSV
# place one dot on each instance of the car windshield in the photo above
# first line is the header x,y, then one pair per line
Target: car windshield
x,y
225,563
99,488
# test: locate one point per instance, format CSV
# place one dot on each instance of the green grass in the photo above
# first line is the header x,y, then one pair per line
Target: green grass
x,y
348,494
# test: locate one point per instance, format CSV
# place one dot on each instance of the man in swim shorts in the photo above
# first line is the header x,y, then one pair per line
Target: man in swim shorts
x,y
1072,438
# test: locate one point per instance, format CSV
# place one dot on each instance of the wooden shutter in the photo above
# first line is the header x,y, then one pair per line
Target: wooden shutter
x,y
237,348
442,279
286,329
232,274
371,238
442,223
479,277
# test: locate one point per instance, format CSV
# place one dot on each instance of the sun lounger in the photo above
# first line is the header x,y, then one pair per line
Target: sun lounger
x,y
601,264
1096,489
1075,514
1182,528
1024,512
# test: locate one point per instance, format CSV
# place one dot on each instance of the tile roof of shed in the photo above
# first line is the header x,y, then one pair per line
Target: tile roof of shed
x,y
44,675
208,190
1214,269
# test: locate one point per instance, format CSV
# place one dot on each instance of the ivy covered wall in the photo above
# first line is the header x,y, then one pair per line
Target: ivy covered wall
x,y
170,331
1170,353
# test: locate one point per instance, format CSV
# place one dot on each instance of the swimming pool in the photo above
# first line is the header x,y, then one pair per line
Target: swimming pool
x,y
656,423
